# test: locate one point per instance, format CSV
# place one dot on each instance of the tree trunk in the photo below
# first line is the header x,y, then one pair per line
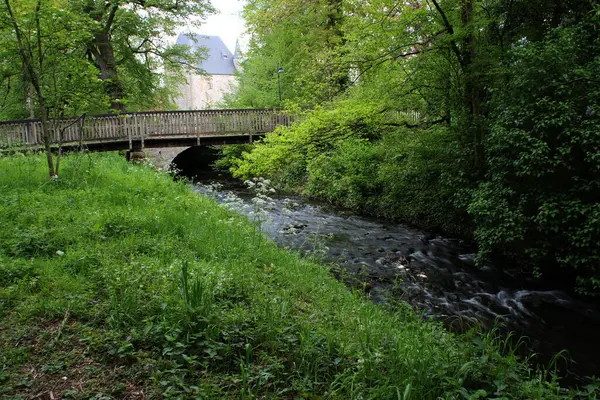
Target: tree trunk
x,y
103,52
35,80
472,90
335,15
47,136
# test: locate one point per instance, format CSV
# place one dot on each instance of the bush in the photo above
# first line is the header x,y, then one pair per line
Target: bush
x,y
317,132
539,201
228,155
417,175
360,157
346,175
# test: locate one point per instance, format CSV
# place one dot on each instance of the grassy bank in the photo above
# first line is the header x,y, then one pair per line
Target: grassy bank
x,y
116,282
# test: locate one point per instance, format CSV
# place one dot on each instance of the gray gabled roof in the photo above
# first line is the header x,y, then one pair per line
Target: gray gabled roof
x,y
220,59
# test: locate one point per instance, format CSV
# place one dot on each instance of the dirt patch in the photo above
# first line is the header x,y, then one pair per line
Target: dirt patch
x,y
52,362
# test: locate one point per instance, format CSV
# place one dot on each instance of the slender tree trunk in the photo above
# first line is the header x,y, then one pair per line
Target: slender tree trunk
x,y
468,54
47,134
474,93
25,95
31,105
335,15
35,80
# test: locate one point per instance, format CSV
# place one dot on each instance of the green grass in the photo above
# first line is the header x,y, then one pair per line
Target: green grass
x,y
162,293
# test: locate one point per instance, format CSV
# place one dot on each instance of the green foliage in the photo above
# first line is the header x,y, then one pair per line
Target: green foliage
x,y
362,157
315,132
481,119
540,200
69,83
157,290
230,153
416,173
346,175
91,52
301,37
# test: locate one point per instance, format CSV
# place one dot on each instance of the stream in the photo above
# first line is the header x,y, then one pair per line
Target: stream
x,y
435,274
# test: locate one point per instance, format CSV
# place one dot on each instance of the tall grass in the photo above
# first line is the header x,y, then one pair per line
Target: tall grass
x,y
171,291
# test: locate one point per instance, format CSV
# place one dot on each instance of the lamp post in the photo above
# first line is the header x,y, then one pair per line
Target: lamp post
x,y
279,71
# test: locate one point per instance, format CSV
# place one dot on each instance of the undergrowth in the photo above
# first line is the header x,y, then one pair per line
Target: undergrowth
x,y
117,282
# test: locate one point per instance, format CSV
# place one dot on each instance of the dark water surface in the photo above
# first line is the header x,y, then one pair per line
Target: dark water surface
x,y
434,274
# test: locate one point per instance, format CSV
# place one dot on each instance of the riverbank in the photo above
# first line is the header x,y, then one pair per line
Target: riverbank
x,y
436,275
116,281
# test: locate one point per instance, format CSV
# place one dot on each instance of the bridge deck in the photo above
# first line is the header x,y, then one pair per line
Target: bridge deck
x,y
147,129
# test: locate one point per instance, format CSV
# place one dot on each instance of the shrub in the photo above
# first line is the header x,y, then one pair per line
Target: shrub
x,y
346,175
415,173
539,201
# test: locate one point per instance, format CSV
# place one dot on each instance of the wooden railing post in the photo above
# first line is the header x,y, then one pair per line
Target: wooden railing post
x,y
28,133
131,131
143,133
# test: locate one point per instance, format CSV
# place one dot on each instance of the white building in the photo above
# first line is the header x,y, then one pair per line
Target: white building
x,y
205,91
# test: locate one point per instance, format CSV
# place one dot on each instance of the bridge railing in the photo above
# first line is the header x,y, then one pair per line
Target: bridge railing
x,y
143,125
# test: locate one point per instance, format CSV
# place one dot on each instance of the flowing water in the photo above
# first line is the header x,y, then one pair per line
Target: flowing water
x,y
436,275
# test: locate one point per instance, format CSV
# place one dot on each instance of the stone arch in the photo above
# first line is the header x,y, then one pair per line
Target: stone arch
x,y
162,157
195,161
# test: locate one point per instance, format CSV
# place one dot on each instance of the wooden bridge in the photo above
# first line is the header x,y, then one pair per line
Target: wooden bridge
x,y
136,131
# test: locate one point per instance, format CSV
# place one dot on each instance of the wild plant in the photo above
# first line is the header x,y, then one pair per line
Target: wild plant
x,y
318,249
172,170
258,209
197,295
261,202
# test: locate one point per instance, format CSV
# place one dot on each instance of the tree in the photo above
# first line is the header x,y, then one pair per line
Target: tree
x,y
490,107
123,41
305,39
127,45
43,40
540,201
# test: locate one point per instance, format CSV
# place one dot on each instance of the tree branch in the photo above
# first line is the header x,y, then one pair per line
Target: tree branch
x,y
395,49
450,31
111,17
383,61
169,59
